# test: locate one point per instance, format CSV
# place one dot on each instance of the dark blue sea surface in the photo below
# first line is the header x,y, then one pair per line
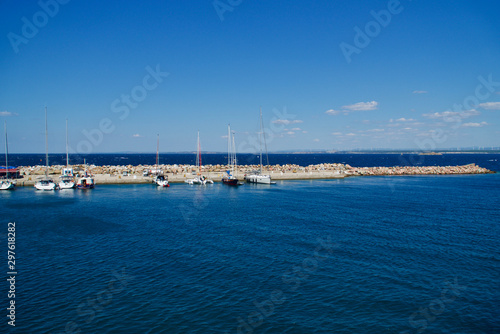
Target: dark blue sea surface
x,y
406,254
490,161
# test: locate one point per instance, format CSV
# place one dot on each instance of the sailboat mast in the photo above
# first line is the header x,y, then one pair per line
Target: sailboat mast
x,y
234,157
199,153
260,140
264,135
6,153
229,146
46,147
67,151
157,152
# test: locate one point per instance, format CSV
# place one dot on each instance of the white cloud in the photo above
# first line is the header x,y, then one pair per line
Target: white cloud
x,y
376,130
304,131
337,133
474,125
286,121
490,105
361,106
290,133
453,114
316,140
420,92
406,120
296,129
333,112
7,113
350,134
136,135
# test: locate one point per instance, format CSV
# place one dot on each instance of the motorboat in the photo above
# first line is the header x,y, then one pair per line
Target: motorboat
x,y
161,181
86,181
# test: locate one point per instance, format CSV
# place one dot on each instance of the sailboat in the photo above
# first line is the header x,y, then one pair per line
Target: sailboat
x,y
257,176
86,181
160,179
46,183
67,177
199,179
230,179
6,184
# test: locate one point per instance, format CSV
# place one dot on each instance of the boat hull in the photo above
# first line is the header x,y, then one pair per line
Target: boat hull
x,y
7,185
85,183
162,183
230,182
45,185
261,179
67,185
203,180
79,186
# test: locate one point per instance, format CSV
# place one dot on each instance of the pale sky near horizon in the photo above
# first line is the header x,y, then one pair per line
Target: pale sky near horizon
x,y
327,74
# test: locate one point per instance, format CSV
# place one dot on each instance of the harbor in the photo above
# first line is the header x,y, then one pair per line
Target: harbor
x,y
129,174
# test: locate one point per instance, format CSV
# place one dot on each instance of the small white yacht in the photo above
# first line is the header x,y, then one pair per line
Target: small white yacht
x,y
67,176
6,184
46,183
199,179
257,176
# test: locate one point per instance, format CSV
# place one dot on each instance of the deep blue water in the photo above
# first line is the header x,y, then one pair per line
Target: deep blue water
x,y
359,255
490,161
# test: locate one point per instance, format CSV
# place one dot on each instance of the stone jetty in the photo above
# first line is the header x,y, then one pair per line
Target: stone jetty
x,y
128,174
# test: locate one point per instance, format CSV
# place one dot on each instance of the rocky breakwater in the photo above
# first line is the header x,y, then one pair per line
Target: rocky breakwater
x,y
128,174
415,170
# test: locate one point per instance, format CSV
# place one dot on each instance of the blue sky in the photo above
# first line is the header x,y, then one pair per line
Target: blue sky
x,y
327,74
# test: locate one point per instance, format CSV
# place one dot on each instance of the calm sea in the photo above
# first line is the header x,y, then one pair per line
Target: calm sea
x,y
490,161
408,254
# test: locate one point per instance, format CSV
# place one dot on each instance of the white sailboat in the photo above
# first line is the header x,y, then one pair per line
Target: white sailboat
x,y
6,184
160,179
230,178
67,177
46,183
257,176
199,179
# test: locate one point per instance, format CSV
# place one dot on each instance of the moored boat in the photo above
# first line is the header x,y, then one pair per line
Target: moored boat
x,y
199,179
258,176
230,178
86,181
6,184
46,183
67,178
160,180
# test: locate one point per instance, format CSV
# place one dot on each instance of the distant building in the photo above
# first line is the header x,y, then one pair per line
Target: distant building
x,y
13,172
